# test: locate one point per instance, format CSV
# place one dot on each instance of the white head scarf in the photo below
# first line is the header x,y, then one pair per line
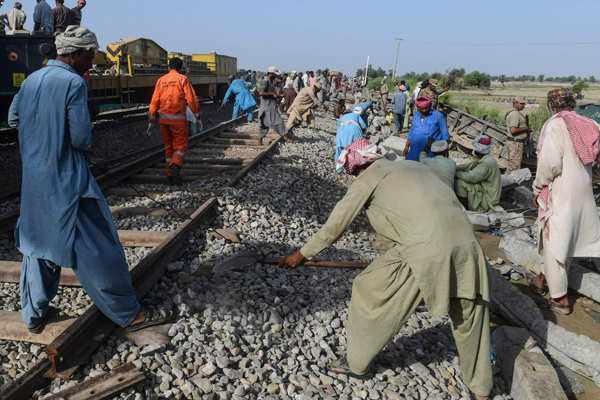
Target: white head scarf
x,y
482,147
357,110
439,146
75,38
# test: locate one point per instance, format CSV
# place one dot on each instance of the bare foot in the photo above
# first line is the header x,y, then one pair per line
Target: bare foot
x,y
139,318
539,281
287,139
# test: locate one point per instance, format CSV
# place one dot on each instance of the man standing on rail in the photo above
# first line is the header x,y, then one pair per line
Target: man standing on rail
x,y
65,220
268,115
518,131
43,19
172,95
434,257
244,101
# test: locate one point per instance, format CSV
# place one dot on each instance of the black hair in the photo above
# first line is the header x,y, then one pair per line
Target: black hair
x,y
176,63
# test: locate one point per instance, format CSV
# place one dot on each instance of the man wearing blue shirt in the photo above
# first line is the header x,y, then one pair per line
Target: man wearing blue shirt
x,y
350,128
427,127
365,105
65,220
399,102
43,18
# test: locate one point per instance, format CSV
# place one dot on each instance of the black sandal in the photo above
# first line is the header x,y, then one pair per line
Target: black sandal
x,y
558,308
540,292
149,320
50,314
341,367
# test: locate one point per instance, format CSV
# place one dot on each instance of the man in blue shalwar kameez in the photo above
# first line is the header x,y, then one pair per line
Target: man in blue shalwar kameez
x,y
65,220
366,106
243,98
428,126
350,128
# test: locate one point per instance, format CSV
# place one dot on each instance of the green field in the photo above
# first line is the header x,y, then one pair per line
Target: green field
x,y
497,101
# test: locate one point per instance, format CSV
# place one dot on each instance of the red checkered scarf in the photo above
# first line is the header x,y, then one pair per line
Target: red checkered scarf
x,y
361,152
585,136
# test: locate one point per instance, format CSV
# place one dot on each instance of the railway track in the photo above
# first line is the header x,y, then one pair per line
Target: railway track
x,y
217,158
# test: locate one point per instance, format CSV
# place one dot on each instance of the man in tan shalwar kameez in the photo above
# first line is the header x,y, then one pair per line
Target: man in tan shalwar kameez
x,y
568,218
301,109
434,257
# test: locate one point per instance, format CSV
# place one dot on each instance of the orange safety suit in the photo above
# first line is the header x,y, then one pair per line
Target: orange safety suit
x,y
172,95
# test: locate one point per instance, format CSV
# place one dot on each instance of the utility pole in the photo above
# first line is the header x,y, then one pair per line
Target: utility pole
x,y
366,71
398,40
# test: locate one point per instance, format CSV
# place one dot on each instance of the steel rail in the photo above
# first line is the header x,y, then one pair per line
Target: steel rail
x,y
78,342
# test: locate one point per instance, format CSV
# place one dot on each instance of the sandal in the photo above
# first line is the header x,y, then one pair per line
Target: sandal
x,y
540,292
559,308
149,320
341,367
50,314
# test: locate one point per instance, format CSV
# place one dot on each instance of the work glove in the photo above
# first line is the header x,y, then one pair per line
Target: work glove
x,y
149,130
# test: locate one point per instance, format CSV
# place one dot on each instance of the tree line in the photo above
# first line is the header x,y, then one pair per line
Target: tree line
x,y
457,78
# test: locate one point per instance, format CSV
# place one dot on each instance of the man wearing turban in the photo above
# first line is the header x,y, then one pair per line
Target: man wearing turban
x,y
427,127
478,183
567,216
65,220
434,257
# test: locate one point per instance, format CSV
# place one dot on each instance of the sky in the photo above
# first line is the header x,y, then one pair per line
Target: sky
x,y
510,37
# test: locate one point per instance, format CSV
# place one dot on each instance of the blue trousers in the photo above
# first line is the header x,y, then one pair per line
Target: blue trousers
x,y
100,266
398,121
236,110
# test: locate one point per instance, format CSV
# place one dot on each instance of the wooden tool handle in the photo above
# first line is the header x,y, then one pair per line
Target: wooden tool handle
x,y
325,264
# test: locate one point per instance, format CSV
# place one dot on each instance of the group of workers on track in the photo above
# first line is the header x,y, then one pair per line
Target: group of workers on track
x,y
433,254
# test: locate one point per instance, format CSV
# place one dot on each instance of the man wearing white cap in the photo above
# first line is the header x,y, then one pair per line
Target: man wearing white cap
x,y
65,220
268,115
301,108
440,163
478,184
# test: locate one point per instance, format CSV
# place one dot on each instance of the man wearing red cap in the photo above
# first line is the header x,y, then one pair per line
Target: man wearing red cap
x,y
478,184
428,126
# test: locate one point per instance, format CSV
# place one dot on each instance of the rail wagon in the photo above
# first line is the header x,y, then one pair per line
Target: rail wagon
x,y
125,74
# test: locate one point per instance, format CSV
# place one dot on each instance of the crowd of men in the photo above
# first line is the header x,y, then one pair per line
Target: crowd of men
x,y
45,19
417,204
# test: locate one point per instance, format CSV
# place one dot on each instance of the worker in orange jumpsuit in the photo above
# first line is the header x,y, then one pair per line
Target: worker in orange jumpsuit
x,y
172,95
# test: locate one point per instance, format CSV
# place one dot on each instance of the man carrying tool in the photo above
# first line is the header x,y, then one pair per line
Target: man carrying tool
x,y
268,115
244,100
301,109
172,96
435,257
518,132
65,220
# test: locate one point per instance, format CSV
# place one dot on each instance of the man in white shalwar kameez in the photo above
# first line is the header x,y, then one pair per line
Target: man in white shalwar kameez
x,y
568,218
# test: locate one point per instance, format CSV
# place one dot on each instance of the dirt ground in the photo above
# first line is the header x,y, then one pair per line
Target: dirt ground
x,y
579,321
